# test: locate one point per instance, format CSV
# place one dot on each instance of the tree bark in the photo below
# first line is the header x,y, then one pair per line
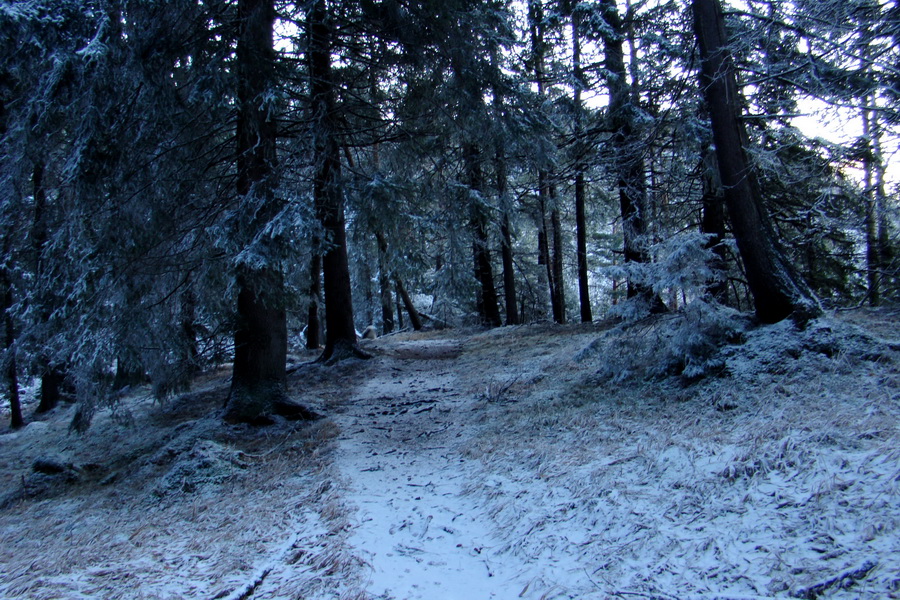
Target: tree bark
x,y
12,379
629,157
712,222
509,276
189,332
340,332
259,378
506,254
584,295
397,302
545,235
52,376
414,319
874,194
546,194
489,309
313,324
384,283
778,291
559,288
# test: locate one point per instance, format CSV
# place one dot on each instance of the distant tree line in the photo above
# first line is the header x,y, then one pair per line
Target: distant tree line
x,y
189,183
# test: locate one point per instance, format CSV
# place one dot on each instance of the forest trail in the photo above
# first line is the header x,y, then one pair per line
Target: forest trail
x,y
398,449
402,449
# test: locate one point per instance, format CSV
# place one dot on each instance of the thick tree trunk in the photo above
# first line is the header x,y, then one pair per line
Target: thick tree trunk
x,y
584,295
259,379
260,341
340,332
777,289
52,376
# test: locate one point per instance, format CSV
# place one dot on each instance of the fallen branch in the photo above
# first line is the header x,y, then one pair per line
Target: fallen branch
x,y
844,580
247,590
439,323
650,596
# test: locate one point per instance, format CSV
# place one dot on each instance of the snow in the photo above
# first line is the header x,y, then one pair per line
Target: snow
x,y
501,464
414,528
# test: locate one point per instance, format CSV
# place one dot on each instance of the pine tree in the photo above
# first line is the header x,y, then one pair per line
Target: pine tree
x,y
777,290
260,340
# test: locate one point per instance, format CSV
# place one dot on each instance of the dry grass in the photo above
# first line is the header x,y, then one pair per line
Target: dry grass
x,y
760,485
172,503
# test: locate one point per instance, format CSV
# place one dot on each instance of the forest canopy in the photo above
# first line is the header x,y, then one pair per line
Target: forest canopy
x,y
196,182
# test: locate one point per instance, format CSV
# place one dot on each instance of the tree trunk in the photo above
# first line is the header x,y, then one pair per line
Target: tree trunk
x,y
397,302
52,376
414,319
259,378
545,274
712,222
545,197
366,282
776,288
874,194
506,254
340,332
191,350
584,295
384,283
12,378
313,325
629,156
509,276
559,288
489,309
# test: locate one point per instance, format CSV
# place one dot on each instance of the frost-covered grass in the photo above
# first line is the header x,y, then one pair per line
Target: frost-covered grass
x,y
775,480
534,462
171,503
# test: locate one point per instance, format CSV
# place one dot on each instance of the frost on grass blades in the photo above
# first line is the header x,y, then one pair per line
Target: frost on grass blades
x,y
495,465
778,478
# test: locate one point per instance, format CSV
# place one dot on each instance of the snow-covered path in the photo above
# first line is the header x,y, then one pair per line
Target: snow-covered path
x,y
399,452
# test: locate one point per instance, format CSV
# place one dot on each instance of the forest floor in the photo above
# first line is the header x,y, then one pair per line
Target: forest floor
x,y
478,465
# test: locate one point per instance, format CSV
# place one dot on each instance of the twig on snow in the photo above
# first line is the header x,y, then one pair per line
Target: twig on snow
x,y
653,596
247,590
844,580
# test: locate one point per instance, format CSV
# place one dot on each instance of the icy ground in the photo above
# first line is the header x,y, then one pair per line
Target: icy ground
x,y
503,464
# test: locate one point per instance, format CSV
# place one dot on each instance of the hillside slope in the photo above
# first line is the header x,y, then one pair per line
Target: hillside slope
x,y
523,462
